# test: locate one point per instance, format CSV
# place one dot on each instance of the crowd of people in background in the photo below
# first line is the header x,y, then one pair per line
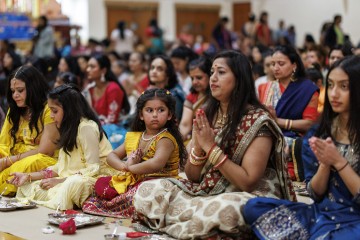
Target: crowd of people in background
x,y
242,115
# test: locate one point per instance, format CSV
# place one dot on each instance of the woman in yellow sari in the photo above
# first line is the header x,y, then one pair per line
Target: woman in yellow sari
x,y
28,137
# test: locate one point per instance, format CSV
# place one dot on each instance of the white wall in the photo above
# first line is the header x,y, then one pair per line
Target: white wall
x,y
308,16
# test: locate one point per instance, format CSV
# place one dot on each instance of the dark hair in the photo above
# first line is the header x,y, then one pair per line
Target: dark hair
x,y
351,66
204,64
36,91
75,107
68,78
45,20
184,53
170,72
121,27
16,61
171,125
242,95
72,64
314,74
104,62
346,50
294,57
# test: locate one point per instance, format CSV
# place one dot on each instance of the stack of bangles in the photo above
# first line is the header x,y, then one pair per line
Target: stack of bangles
x,y
213,156
288,124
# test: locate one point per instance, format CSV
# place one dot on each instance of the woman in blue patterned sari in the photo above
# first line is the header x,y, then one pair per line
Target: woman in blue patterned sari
x,y
331,161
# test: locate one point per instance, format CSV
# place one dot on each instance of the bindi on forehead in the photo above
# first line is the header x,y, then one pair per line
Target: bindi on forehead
x,y
14,83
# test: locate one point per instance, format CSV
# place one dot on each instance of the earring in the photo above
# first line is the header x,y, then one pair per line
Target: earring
x,y
292,77
102,79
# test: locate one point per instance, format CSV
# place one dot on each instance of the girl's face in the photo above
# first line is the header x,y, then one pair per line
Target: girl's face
x,y
222,80
93,70
179,64
82,64
155,114
58,82
135,63
334,56
63,66
282,66
18,90
200,80
57,112
8,61
338,91
256,55
157,71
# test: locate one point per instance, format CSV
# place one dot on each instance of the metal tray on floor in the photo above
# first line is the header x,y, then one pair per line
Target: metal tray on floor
x,y
81,220
15,204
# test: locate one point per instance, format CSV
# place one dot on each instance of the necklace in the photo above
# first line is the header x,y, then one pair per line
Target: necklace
x,y
221,119
151,138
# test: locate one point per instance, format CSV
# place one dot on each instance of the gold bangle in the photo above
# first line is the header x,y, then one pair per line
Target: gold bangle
x,y
8,158
196,162
197,157
216,157
213,153
290,124
286,124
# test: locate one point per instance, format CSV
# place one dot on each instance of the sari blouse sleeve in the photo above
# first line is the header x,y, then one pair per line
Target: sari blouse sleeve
x,y
5,138
46,115
115,97
311,112
89,139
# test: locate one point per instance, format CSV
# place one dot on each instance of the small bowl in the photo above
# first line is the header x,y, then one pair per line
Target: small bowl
x,y
111,236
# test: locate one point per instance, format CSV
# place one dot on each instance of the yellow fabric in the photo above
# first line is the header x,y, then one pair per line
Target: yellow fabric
x,y
132,139
25,141
88,159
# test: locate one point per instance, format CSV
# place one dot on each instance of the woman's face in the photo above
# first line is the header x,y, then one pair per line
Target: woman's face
x,y
338,91
18,90
82,64
157,71
63,66
58,82
8,61
200,80
334,56
57,112
222,80
135,63
94,71
282,66
256,55
179,64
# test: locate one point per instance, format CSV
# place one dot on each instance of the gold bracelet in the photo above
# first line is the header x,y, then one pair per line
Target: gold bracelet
x,y
213,153
286,124
197,157
8,158
290,124
216,156
196,162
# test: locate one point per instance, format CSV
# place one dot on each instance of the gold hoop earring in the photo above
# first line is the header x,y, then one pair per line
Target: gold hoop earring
x,y
292,77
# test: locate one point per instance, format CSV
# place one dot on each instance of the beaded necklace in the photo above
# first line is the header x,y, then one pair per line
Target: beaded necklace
x,y
151,138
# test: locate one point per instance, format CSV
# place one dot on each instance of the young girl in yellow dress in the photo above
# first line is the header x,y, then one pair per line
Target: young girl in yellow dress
x,y
154,148
82,156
